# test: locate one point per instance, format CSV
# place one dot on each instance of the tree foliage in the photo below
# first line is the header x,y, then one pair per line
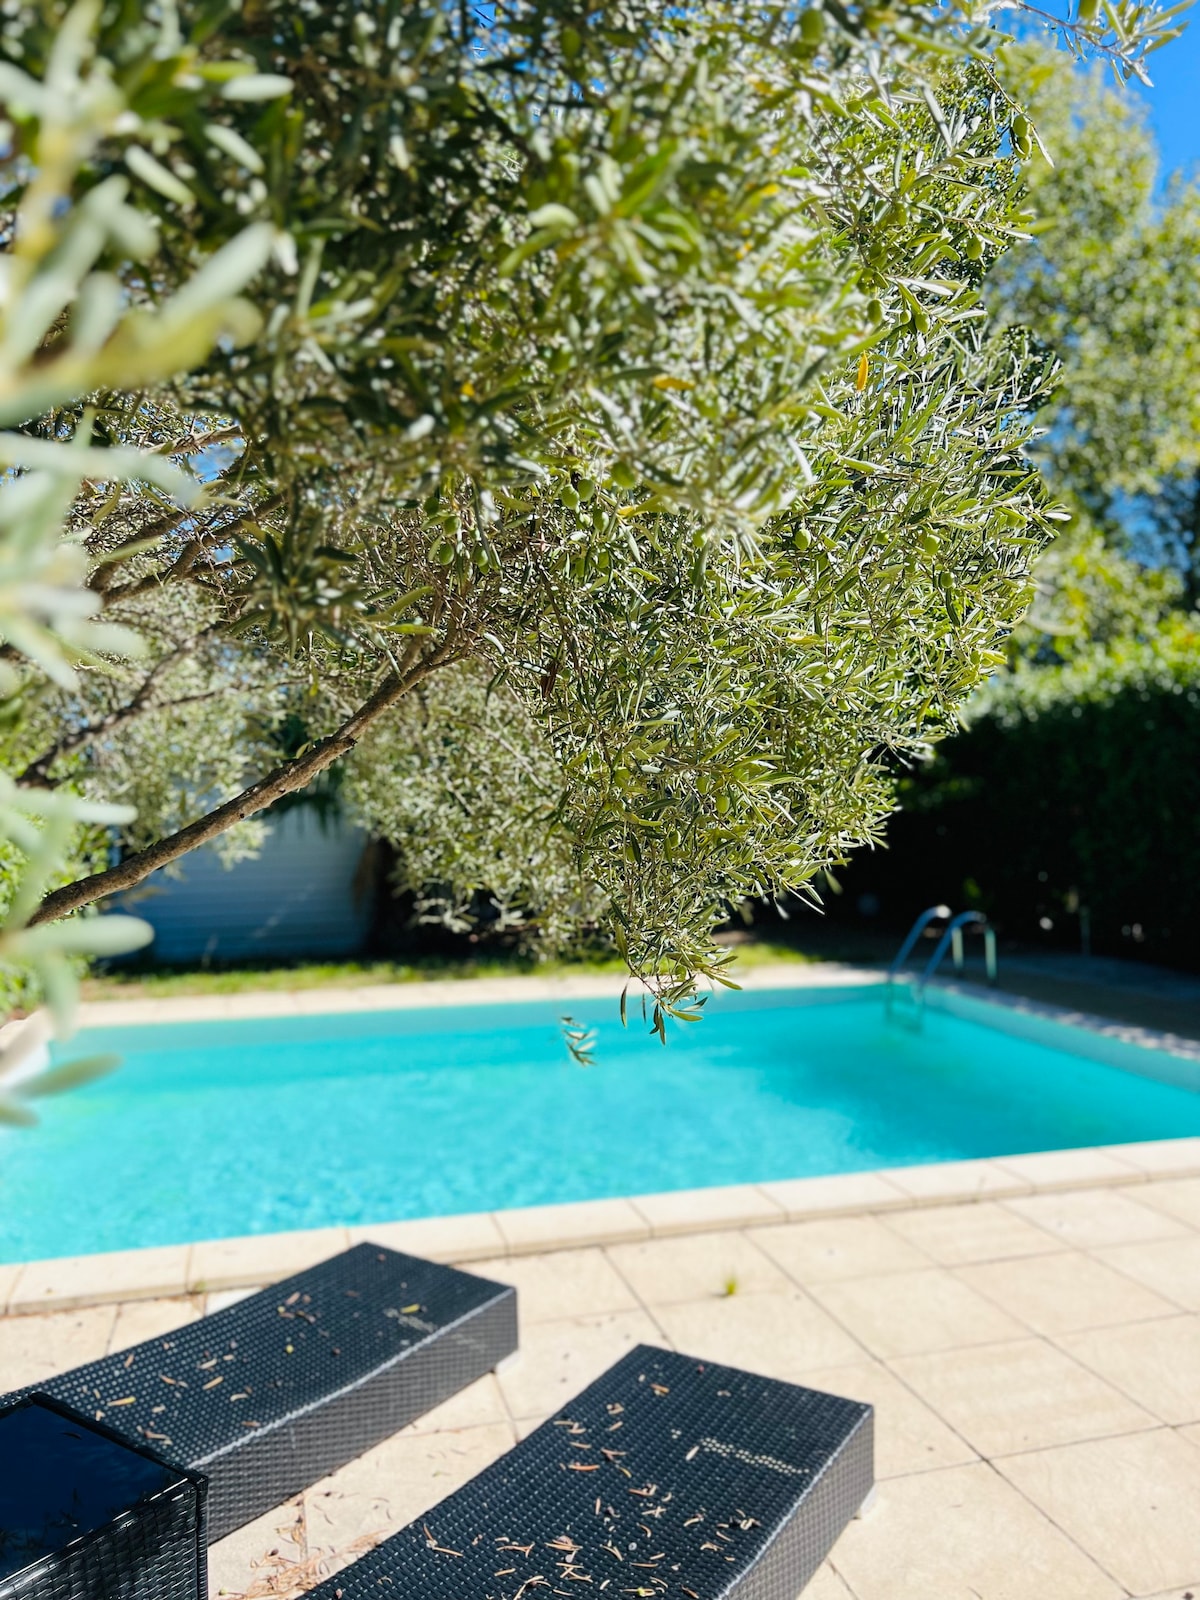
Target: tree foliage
x,y
625,376
67,327
1109,284
1070,794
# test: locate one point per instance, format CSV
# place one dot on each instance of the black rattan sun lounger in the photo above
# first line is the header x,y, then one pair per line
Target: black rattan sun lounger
x,y
667,1477
280,1389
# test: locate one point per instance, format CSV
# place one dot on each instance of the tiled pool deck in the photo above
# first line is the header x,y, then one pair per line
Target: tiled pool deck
x,y
1028,1329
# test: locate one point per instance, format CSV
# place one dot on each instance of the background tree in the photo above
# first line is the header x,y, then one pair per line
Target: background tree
x,y
1066,807
1110,285
634,366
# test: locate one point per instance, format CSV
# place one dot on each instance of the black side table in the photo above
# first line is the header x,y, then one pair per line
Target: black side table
x,y
85,1515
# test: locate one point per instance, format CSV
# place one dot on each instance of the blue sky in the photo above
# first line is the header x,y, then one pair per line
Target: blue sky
x,y
1174,101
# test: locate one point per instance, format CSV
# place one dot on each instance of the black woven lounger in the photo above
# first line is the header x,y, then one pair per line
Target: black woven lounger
x,y
667,1477
274,1392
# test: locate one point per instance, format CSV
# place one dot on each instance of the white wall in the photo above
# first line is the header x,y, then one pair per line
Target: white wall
x,y
296,898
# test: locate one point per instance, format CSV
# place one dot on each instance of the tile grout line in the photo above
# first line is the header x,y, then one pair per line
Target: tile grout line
x,y
1091,1252
1114,1382
824,1310
642,1304
1051,1338
1069,1537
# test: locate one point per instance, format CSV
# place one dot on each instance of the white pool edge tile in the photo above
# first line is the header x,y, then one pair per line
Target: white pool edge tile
x,y
544,1229
436,992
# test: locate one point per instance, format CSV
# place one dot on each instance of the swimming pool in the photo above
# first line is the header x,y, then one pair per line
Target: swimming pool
x,y
221,1128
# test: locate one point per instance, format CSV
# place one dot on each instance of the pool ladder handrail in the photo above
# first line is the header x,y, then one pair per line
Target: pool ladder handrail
x,y
952,937
930,914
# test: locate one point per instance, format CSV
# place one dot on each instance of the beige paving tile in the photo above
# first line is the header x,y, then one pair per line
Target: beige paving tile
x,y
149,1319
838,1247
963,1534
479,1403
395,1482
565,1283
911,1312
1070,1169
533,1228
1026,1395
1133,1503
1178,1591
261,1258
8,1282
1176,1197
841,1192
826,1585
1095,1217
1158,1157
468,1237
219,1299
1156,1363
36,1347
693,1266
114,1275
266,1548
689,1210
981,1230
557,1359
954,1180
775,1334
1170,1267
909,1437
1066,1291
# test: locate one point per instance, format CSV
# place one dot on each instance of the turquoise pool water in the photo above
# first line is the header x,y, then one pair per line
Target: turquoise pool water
x,y
219,1128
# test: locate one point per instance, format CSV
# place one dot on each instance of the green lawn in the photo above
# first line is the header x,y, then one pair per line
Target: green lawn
x,y
162,983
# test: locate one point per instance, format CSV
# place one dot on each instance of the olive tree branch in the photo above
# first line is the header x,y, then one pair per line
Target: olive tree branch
x,y
285,779
37,774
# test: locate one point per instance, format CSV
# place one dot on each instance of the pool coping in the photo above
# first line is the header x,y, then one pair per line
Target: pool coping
x,y
70,1282
436,992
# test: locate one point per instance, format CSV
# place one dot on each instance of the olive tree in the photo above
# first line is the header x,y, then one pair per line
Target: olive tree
x,y
631,366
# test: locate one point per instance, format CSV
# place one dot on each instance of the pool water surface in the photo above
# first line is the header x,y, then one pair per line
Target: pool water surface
x,y
221,1128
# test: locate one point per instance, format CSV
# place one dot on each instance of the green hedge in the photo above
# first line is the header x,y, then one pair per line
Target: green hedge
x,y
1073,786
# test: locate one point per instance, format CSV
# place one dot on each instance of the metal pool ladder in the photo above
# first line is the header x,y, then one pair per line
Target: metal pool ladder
x,y
952,939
